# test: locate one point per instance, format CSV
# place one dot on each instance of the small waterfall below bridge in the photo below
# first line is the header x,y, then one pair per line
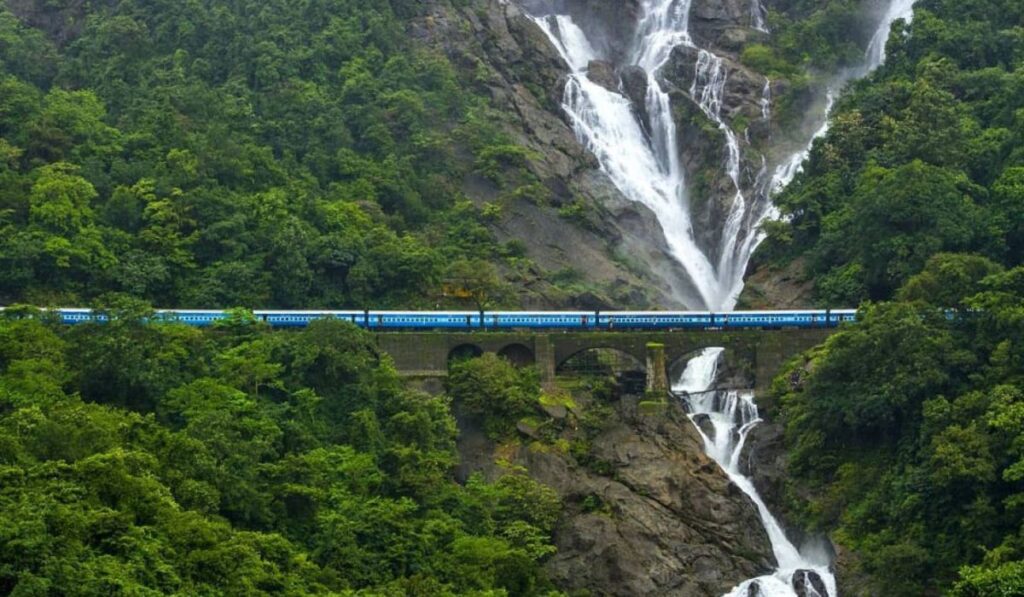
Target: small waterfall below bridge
x,y
643,161
724,418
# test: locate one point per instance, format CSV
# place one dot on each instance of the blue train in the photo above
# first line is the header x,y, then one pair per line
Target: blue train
x,y
511,320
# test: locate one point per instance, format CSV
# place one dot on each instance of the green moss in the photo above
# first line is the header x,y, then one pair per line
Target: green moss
x,y
652,407
558,399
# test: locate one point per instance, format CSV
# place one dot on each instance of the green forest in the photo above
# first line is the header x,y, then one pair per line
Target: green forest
x,y
924,156
286,154
905,430
160,459
311,153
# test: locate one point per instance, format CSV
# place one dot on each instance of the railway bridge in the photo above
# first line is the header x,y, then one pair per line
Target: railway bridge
x,y
660,354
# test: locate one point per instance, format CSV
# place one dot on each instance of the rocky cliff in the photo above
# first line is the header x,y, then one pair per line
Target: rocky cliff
x,y
614,246
646,512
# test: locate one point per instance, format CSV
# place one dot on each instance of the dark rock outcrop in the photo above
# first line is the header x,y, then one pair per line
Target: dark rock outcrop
x,y
657,517
704,422
723,25
62,23
774,287
807,583
610,24
634,86
603,73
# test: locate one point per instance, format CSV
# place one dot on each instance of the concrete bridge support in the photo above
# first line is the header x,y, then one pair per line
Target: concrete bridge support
x,y
657,374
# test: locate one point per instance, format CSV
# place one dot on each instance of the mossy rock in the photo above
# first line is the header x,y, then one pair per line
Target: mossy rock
x,y
652,407
557,404
530,427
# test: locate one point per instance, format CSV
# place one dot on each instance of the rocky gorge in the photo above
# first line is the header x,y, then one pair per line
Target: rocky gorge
x,y
725,137
620,246
646,512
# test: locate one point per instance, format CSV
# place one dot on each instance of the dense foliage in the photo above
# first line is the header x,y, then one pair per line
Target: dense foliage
x,y
909,428
161,459
905,430
290,154
924,156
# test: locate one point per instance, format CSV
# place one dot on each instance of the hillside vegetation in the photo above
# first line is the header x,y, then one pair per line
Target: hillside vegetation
x,y
289,154
161,459
904,431
924,156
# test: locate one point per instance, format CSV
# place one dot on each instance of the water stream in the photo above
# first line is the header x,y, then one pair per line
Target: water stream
x,y
643,161
724,418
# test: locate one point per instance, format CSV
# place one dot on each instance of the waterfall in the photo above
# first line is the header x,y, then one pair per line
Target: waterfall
x,y
873,58
731,415
647,169
766,100
758,16
898,9
644,163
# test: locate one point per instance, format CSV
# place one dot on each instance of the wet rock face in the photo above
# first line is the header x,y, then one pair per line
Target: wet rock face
x,y
634,84
610,24
603,73
723,25
525,78
764,461
670,522
703,421
703,146
744,89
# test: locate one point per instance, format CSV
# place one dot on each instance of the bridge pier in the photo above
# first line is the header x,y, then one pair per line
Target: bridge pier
x,y
657,375
545,357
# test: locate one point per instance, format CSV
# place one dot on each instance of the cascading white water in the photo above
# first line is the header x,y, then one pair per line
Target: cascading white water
x,y
758,16
898,9
642,159
646,168
731,415
766,100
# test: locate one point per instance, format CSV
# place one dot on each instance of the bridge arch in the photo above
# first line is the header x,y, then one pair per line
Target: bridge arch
x,y
600,359
464,352
518,354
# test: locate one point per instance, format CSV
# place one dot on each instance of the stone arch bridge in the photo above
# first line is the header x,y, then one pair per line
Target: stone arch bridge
x,y
761,353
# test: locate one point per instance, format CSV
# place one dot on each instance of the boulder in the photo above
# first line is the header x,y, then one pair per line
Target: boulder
x,y
807,583
602,73
703,421
634,84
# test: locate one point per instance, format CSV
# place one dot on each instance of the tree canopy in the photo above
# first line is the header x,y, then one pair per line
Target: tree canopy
x,y
162,459
276,153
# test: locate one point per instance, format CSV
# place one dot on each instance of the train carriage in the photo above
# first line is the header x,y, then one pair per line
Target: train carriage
x,y
508,320
423,320
562,320
653,320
